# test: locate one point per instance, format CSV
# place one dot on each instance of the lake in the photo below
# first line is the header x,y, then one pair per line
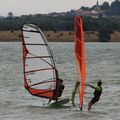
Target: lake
x,y
102,62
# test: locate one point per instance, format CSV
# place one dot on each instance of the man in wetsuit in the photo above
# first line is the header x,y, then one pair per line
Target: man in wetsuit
x,y
60,91
97,93
61,87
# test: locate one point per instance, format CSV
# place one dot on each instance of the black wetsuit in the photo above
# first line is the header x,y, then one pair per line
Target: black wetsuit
x,y
61,87
61,90
97,94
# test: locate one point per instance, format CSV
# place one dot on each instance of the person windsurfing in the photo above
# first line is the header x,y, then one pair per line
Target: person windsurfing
x,y
59,90
97,93
61,87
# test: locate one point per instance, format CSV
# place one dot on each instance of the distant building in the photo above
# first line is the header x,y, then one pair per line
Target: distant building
x,y
95,13
97,7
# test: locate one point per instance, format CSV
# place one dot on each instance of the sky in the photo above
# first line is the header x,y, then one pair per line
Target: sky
x,y
26,7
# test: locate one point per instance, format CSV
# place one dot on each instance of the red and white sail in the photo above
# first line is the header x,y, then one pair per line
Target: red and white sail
x,y
80,56
40,74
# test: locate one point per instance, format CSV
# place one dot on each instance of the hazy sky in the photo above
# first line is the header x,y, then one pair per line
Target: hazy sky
x,y
25,7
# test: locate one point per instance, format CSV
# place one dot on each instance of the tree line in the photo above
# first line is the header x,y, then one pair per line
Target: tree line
x,y
105,26
60,23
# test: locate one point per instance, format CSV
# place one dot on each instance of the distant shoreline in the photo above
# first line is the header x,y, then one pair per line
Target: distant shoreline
x,y
10,40
57,36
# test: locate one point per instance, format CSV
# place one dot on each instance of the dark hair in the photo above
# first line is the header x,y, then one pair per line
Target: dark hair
x,y
99,83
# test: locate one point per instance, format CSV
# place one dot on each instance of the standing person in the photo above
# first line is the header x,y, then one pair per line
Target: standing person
x,y
60,91
97,93
61,87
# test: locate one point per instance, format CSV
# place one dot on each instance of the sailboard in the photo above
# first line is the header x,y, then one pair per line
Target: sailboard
x,y
60,102
40,73
80,56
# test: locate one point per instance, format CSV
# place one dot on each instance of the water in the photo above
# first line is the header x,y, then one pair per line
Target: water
x,y
103,62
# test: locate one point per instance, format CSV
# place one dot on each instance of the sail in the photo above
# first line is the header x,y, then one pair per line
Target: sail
x,y
40,74
80,55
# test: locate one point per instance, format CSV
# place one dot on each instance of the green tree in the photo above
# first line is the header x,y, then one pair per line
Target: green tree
x,y
105,6
115,5
85,8
10,14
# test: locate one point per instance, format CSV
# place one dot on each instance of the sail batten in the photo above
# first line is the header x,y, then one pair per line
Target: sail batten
x,y
35,44
80,56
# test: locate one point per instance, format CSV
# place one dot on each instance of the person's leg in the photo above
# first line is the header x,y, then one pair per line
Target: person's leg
x,y
89,105
73,97
49,101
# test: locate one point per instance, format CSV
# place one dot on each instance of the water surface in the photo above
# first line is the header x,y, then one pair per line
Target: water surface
x,y
102,62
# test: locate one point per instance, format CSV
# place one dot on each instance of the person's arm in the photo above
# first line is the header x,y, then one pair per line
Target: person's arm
x,y
90,86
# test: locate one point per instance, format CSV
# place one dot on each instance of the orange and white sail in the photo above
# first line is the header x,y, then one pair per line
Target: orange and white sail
x,y
80,56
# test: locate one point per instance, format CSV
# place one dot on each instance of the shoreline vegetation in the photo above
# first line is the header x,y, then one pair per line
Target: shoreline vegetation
x,y
57,36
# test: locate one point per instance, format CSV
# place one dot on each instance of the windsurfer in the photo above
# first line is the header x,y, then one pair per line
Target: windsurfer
x,y
61,87
97,93
60,91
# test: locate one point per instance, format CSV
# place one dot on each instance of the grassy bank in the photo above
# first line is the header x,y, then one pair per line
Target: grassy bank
x,y
57,36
